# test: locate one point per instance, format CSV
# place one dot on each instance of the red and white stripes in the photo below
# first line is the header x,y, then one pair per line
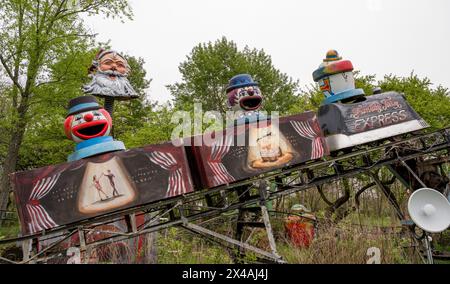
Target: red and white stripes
x,y
39,218
166,161
219,149
304,129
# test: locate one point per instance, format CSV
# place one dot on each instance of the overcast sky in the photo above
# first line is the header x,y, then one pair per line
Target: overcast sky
x,y
378,36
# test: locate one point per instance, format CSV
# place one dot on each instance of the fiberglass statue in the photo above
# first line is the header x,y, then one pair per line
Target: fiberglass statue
x,y
348,117
268,147
109,73
244,98
335,79
88,124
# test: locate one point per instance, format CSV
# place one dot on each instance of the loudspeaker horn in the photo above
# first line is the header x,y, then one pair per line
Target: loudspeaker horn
x,y
430,210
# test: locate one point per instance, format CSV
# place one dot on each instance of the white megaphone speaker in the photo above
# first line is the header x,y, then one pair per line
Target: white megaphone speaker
x,y
430,210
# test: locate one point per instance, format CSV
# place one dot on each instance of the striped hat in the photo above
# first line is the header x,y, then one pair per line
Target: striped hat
x,y
332,64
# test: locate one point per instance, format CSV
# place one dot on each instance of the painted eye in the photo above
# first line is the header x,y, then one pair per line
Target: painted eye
x,y
242,93
77,118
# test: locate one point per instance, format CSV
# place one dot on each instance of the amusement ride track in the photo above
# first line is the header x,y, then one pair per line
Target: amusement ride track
x,y
184,210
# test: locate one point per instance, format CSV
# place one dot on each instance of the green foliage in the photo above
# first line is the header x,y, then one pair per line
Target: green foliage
x,y
156,128
432,104
44,141
209,67
176,246
34,37
129,116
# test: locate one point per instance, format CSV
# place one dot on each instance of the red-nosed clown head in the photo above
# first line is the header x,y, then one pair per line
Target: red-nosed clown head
x,y
86,120
243,94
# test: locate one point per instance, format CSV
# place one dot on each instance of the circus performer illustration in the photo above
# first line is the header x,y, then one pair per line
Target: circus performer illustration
x,y
98,186
111,178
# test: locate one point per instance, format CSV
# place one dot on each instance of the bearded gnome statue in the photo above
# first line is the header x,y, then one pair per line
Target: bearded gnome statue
x,y
109,73
87,123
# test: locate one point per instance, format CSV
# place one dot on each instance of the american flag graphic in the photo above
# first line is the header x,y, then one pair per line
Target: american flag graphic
x,y
39,218
306,130
219,149
166,161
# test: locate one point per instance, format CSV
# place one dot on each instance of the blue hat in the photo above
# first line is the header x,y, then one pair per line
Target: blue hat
x,y
239,81
82,104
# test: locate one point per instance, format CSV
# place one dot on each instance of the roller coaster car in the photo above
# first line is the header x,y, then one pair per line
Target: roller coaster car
x,y
255,148
367,119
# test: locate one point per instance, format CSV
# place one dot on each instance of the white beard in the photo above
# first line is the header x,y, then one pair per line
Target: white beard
x,y
103,86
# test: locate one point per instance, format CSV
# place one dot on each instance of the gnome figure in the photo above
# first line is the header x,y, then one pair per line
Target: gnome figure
x,y
335,79
244,98
109,73
89,125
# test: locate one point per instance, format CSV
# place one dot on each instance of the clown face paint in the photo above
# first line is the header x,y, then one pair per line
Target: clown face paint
x,y
245,99
337,83
87,125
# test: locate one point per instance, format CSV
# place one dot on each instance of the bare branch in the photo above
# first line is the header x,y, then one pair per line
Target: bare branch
x,y
10,74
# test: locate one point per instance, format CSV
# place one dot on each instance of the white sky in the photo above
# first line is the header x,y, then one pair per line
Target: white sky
x,y
378,36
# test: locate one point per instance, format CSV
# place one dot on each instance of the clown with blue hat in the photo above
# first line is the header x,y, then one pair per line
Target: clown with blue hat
x,y
244,98
89,125
336,80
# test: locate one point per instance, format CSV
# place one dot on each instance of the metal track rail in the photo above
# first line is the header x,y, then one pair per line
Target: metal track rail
x,y
295,179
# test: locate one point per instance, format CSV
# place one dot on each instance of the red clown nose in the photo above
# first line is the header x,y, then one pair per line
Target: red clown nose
x,y
88,117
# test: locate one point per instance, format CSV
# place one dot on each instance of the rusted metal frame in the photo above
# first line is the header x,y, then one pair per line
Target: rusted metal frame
x,y
282,192
49,248
158,216
264,194
389,195
285,191
243,193
157,205
411,171
227,239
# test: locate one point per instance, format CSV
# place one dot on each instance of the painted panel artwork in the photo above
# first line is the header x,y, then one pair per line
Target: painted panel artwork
x,y
374,112
67,193
252,149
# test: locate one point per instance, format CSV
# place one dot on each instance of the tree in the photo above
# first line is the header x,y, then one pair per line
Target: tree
x,y
44,140
432,104
33,36
131,115
209,67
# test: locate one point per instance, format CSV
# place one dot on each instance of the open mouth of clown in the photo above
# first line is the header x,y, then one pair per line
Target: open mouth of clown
x,y
251,102
91,130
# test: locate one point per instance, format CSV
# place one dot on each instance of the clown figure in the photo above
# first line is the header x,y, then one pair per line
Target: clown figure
x,y
335,79
89,125
244,98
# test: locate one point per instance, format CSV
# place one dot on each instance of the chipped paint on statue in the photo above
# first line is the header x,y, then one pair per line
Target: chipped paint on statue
x,y
89,125
244,98
335,79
